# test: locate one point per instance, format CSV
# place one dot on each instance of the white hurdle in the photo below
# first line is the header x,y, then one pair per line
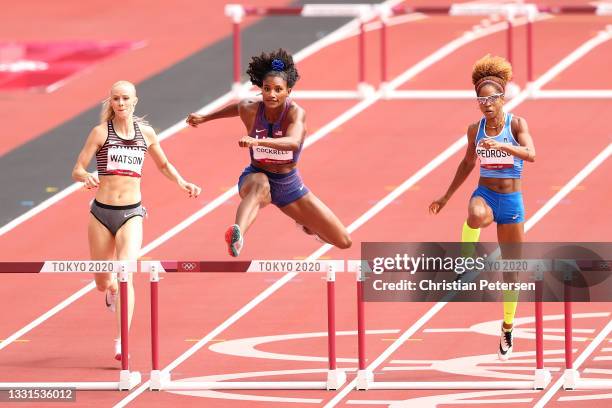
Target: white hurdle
x,y
162,379
365,378
571,375
127,379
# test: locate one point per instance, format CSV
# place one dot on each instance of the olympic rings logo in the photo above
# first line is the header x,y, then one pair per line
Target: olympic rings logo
x,y
188,266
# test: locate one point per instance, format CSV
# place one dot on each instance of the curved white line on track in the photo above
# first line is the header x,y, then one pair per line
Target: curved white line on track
x,y
247,347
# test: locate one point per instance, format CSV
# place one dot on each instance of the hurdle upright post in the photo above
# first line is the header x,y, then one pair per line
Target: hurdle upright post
x,y
509,38
236,12
127,379
542,377
154,278
335,377
571,375
158,378
364,88
361,64
123,296
384,13
363,376
529,48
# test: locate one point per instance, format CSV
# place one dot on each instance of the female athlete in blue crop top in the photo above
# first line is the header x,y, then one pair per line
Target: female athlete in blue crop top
x,y
276,129
502,142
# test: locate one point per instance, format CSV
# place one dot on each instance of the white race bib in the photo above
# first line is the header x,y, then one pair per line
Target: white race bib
x,y
270,155
494,159
123,159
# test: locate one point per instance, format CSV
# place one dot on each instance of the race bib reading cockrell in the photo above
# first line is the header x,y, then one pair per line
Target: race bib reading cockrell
x,y
270,155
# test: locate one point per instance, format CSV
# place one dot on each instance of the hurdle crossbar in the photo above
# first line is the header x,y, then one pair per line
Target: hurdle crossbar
x,y
162,379
365,377
127,379
362,12
572,94
514,14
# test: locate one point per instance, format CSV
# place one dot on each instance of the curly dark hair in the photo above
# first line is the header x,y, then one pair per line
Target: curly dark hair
x,y
490,69
276,63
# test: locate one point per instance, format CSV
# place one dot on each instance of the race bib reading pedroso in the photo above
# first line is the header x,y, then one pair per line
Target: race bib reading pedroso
x,y
494,159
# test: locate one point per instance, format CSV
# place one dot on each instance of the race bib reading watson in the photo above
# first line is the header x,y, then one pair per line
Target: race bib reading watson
x,y
125,161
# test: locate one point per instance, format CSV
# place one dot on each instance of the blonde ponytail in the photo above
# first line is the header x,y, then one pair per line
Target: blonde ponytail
x,y
107,113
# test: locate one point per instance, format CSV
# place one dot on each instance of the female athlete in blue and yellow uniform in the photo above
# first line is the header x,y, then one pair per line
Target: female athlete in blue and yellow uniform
x,y
276,129
501,141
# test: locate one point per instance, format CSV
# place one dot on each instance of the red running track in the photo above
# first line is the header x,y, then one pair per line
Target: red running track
x,y
374,148
171,32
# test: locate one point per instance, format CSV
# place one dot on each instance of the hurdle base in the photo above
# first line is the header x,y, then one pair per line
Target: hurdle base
x,y
365,90
385,90
541,379
572,381
364,379
335,379
128,379
571,377
158,380
512,90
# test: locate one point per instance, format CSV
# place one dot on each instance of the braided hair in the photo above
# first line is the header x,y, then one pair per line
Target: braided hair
x,y
490,70
276,63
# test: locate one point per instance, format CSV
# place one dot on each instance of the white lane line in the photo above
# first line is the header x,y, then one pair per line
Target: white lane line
x,y
572,184
63,304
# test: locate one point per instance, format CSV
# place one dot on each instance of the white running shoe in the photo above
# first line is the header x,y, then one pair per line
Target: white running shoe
x,y
505,344
111,300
